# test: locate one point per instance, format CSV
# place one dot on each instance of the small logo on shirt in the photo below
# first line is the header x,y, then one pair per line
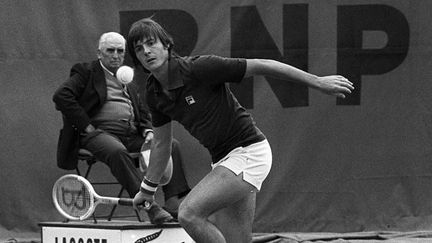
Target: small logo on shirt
x,y
190,100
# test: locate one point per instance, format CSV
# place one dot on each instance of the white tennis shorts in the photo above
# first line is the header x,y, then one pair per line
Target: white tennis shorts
x,y
254,161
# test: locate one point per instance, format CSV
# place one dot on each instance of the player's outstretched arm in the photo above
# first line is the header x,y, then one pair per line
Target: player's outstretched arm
x,y
335,85
159,156
160,152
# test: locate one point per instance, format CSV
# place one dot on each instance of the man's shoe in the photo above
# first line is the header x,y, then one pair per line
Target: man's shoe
x,y
158,215
173,213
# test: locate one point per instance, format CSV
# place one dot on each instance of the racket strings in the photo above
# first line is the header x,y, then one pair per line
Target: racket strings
x,y
73,197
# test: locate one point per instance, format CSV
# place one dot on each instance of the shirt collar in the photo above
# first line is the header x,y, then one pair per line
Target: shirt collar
x,y
106,69
175,77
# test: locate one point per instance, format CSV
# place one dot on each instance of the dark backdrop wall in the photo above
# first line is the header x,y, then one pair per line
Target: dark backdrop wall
x,y
357,164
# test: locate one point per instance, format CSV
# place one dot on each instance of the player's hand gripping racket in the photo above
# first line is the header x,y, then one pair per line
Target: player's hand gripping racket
x,y
75,198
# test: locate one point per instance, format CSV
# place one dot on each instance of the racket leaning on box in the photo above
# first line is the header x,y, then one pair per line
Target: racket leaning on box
x,y
75,198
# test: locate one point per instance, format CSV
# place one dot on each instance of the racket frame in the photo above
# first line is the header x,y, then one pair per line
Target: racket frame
x,y
95,199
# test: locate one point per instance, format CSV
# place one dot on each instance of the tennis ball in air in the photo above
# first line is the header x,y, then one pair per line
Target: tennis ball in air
x,y
125,74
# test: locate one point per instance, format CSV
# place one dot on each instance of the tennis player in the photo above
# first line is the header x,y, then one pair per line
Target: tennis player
x,y
193,91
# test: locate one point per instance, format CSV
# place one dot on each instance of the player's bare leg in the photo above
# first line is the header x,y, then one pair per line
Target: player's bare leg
x,y
220,189
235,222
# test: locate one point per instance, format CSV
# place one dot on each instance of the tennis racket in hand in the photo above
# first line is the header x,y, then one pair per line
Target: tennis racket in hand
x,y
75,198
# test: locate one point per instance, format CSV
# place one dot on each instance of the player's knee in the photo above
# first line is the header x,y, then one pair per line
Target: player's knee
x,y
186,215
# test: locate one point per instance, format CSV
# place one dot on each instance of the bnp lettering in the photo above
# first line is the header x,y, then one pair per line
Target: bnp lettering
x,y
250,38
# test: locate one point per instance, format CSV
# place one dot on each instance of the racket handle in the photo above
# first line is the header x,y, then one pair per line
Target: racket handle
x,y
129,202
125,201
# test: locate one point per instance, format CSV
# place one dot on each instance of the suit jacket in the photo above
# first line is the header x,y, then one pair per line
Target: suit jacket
x,y
80,98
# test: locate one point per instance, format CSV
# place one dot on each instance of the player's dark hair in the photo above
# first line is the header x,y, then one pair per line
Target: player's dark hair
x,y
147,28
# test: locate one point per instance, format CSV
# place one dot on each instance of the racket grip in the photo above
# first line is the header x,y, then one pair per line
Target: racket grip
x,y
129,202
125,201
